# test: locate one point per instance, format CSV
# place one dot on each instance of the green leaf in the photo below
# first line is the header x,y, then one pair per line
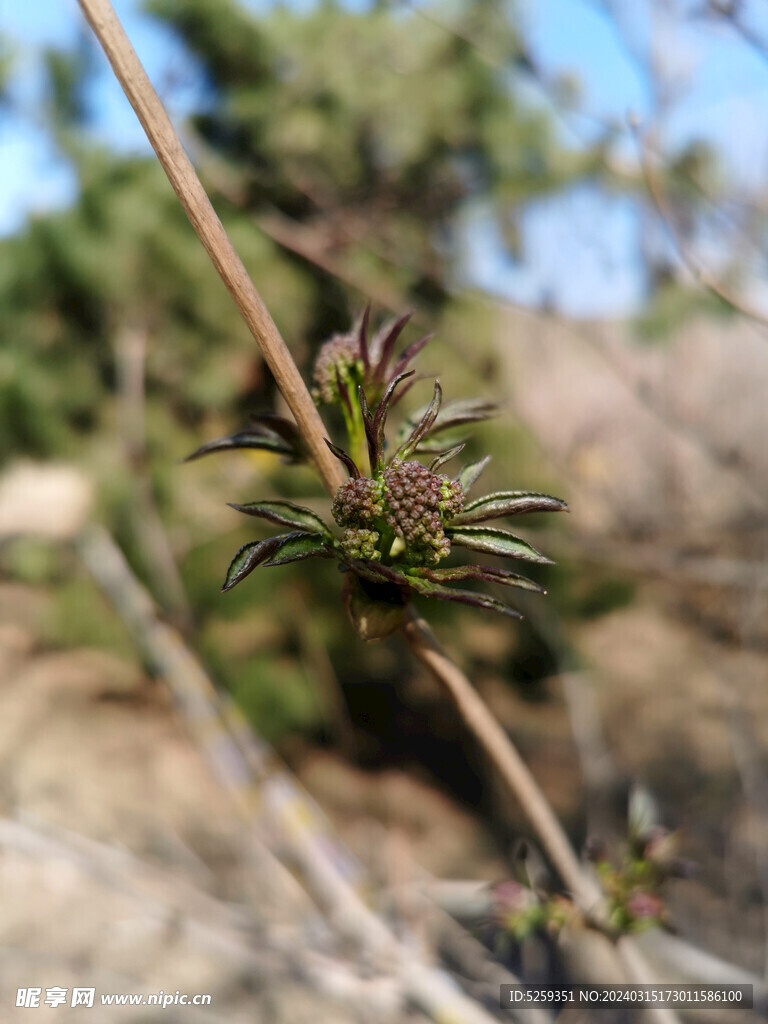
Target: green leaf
x,y
296,546
443,457
434,590
487,573
507,503
495,542
452,414
248,557
470,474
285,513
423,427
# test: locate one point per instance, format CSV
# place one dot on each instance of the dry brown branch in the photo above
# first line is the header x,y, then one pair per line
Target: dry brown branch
x,y
130,364
505,758
701,274
209,229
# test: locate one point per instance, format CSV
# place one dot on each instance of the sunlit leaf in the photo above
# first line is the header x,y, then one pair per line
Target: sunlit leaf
x,y
471,473
285,513
444,457
495,542
507,503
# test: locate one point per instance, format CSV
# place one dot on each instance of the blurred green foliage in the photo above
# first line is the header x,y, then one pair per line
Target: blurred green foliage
x,y
367,134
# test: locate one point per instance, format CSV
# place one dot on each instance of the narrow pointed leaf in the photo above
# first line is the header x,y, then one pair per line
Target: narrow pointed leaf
x,y
436,445
423,428
383,345
495,542
462,411
380,417
453,414
344,393
374,452
295,547
248,557
363,336
410,353
487,573
434,590
246,439
444,457
285,513
507,503
471,473
342,456
278,425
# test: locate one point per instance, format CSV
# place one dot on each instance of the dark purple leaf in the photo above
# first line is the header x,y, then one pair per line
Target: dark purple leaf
x,y
363,336
380,417
342,456
285,513
374,452
245,439
383,345
410,353
279,425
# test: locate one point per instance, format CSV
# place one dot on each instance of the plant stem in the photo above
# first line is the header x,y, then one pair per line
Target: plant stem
x,y
197,206
476,715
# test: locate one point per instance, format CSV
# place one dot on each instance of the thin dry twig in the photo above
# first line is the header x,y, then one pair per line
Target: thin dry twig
x,y
665,212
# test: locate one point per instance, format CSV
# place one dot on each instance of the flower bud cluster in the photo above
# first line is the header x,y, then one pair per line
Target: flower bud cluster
x,y
411,502
417,503
358,503
362,543
340,355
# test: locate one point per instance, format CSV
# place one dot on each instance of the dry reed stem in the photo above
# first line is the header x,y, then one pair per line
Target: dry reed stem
x,y
197,206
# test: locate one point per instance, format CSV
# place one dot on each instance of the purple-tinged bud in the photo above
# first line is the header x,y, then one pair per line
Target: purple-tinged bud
x,y
337,360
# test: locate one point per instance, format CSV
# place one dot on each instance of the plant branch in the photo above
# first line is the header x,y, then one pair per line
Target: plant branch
x,y
507,761
209,229
474,712
665,212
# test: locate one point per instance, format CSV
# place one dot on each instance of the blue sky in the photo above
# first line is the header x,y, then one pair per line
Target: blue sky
x,y
721,95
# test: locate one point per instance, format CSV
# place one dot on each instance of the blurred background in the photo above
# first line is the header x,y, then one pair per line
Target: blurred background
x,y
573,195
